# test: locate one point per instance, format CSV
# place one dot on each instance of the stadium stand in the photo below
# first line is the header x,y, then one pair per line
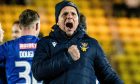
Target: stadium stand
x,y
110,32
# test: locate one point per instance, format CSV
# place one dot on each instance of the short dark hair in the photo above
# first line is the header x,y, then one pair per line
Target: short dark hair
x,y
27,17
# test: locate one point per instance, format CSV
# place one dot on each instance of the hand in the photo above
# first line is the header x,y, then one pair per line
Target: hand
x,y
74,52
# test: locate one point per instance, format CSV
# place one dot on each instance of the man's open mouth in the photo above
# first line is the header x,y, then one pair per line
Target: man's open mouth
x,y
69,25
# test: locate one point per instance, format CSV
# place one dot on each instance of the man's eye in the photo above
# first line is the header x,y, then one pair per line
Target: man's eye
x,y
65,13
73,13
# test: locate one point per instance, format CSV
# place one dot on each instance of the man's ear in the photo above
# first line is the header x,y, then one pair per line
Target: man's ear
x,y
37,25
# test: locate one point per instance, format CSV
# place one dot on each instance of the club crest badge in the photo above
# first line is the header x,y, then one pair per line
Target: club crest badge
x,y
84,47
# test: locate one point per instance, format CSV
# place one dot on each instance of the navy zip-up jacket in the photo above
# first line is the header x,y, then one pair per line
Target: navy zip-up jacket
x,y
53,64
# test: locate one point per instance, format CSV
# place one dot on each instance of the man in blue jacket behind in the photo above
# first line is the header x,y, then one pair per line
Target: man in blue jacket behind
x,y
68,55
2,68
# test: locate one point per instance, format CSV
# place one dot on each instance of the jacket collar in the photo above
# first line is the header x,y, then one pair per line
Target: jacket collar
x,y
61,36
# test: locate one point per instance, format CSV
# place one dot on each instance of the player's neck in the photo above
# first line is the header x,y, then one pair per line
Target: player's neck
x,y
28,32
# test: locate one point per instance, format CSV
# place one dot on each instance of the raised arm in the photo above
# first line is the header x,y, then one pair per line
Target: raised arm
x,y
103,70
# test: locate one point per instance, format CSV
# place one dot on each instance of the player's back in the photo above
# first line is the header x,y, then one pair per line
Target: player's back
x,y
18,56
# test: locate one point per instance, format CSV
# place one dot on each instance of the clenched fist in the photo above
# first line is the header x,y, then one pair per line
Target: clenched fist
x,y
74,52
